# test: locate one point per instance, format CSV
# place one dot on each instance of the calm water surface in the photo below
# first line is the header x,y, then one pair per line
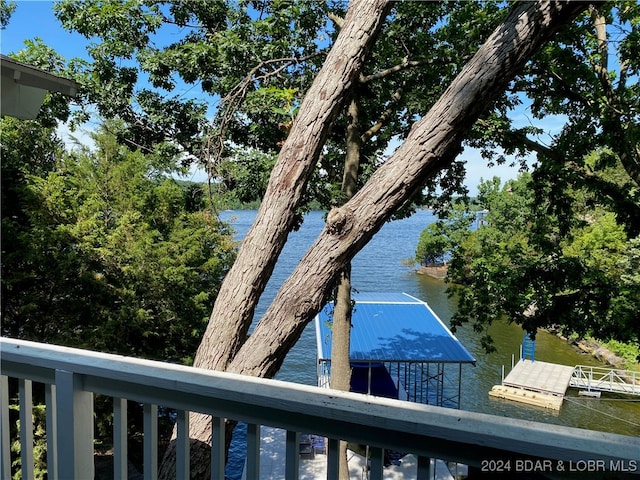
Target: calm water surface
x,y
378,267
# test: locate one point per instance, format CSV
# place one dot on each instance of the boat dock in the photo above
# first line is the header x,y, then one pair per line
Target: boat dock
x,y
544,384
536,383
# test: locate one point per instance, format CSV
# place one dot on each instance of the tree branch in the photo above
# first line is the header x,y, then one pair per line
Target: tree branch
x,y
336,19
382,120
432,145
231,102
406,63
621,201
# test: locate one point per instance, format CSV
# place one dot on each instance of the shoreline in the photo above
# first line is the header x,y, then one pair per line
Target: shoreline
x,y
436,271
597,351
589,346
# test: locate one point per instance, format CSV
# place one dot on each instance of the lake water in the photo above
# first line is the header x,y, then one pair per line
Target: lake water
x,y
378,267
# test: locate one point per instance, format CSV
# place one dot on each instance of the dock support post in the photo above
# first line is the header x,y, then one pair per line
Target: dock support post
x,y
5,439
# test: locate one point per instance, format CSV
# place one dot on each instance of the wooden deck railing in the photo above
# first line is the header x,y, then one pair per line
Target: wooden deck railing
x,y
72,376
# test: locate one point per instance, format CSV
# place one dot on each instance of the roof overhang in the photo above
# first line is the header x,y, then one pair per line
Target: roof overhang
x,y
24,87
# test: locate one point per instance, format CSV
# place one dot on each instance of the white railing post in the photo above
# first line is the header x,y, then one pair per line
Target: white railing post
x,y
253,451
120,461
333,458
182,446
75,440
5,445
424,468
150,455
26,428
52,429
377,463
292,456
217,447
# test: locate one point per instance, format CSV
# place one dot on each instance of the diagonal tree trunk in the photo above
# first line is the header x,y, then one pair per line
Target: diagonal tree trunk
x,y
239,294
432,145
242,287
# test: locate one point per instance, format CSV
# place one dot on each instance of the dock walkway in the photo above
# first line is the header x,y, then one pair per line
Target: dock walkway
x,y
544,377
600,379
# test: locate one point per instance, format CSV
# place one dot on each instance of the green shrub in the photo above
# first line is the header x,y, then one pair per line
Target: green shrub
x,y
39,443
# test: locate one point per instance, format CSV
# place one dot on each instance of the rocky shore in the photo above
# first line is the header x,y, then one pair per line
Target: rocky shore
x,y
601,353
595,349
436,271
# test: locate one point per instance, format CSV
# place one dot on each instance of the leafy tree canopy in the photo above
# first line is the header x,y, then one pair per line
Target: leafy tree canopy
x,y
104,252
256,60
251,64
440,238
6,10
524,263
558,244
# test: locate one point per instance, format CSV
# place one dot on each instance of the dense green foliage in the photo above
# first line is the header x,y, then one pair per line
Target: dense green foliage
x,y
560,246
438,241
250,63
521,264
255,61
100,250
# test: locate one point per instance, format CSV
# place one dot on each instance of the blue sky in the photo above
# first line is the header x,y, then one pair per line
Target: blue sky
x,y
35,19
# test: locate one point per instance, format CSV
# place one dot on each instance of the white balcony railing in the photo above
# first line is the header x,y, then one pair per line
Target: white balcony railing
x,y
71,376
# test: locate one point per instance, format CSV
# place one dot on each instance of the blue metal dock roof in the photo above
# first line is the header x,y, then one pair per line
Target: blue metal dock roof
x,y
393,327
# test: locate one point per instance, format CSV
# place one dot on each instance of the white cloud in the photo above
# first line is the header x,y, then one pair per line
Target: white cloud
x,y
195,174
477,169
73,140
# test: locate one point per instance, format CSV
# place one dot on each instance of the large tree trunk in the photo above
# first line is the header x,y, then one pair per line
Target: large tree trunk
x,y
432,145
239,294
242,287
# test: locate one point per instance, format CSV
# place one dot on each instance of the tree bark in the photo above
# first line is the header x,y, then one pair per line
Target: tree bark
x,y
341,328
235,304
432,145
241,289
340,359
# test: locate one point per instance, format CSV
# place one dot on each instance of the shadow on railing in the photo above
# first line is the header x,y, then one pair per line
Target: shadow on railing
x,y
72,376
